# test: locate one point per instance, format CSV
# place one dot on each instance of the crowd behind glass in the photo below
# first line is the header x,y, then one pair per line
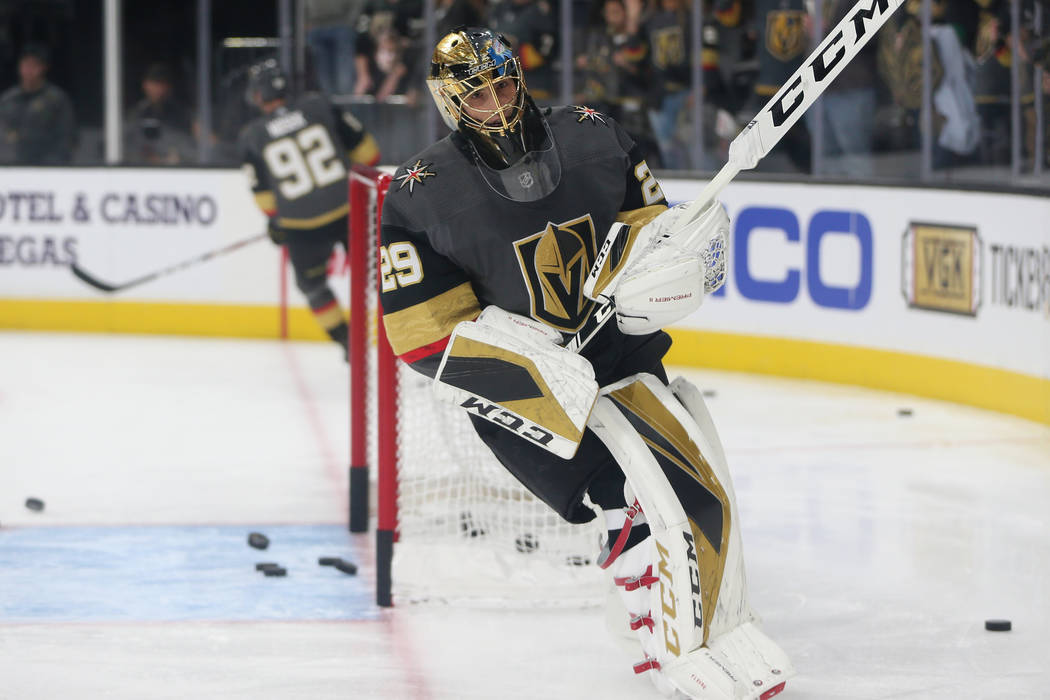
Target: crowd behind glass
x,y
632,59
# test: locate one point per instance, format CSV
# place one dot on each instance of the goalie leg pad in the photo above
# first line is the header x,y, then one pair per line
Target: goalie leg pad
x,y
694,550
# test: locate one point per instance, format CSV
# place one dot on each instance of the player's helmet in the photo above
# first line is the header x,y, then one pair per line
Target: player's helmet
x,y
267,80
477,84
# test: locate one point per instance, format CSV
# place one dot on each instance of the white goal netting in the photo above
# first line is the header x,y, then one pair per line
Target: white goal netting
x,y
462,529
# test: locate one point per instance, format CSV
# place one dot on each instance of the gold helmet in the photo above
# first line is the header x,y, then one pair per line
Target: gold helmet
x,y
476,81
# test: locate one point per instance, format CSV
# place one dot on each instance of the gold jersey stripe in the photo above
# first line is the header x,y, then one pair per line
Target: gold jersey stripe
x,y
640,217
366,152
329,317
431,320
266,201
315,221
635,218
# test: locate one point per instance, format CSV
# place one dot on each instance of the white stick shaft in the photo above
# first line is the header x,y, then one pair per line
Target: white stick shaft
x,y
798,93
795,96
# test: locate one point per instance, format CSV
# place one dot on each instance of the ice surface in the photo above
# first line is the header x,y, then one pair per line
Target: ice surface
x,y
877,545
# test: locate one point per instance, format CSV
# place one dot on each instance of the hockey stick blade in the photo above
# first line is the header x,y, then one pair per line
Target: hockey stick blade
x,y
95,282
796,95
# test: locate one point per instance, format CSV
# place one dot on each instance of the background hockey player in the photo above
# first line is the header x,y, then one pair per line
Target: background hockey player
x,y
297,155
501,245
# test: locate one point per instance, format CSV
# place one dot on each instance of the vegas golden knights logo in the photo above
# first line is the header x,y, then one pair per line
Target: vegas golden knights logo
x,y
785,34
554,263
668,47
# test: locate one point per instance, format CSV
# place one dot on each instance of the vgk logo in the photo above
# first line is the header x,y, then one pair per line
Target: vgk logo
x,y
940,268
668,47
785,35
554,263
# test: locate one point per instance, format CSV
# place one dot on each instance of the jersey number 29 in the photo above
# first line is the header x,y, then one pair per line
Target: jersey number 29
x,y
303,161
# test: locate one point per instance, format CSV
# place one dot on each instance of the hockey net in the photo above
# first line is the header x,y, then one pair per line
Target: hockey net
x,y
452,525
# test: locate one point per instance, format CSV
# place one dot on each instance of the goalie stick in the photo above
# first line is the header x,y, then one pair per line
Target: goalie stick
x,y
95,282
778,115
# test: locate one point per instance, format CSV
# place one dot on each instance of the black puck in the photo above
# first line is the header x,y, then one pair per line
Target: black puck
x,y
258,540
710,393
903,412
329,561
34,504
275,571
346,567
264,565
526,543
998,625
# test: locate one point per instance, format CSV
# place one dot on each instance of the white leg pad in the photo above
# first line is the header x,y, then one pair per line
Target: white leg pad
x,y
706,652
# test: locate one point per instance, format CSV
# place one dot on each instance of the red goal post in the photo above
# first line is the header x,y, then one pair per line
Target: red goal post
x,y
452,525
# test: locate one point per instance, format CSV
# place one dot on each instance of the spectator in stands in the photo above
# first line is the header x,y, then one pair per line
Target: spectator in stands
x,y
388,73
158,130
994,55
531,28
460,13
900,56
848,107
668,31
783,30
405,18
617,75
36,118
332,38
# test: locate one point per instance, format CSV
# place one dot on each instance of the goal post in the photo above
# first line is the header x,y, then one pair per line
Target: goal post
x,y
368,187
452,525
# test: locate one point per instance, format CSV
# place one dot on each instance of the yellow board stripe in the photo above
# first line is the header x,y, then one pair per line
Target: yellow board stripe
x,y
985,387
236,321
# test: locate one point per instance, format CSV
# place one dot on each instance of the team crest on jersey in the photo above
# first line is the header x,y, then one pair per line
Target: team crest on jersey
x,y
585,113
785,33
554,264
415,175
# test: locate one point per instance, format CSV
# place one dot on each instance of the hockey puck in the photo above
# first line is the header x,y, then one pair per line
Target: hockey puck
x,y
467,525
275,571
346,567
264,565
258,540
903,412
329,561
709,393
998,625
526,543
34,504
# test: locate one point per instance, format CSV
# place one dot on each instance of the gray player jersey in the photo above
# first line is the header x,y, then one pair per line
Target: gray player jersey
x,y
451,245
299,157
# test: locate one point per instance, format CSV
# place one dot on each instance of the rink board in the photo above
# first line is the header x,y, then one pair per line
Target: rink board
x,y
937,292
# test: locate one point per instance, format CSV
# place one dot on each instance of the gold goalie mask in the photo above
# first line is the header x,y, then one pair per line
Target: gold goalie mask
x,y
477,84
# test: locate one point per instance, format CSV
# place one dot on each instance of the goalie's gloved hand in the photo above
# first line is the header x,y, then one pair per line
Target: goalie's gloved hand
x,y
659,273
277,234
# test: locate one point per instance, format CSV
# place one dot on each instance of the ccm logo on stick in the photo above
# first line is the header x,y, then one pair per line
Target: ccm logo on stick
x,y
786,289
823,65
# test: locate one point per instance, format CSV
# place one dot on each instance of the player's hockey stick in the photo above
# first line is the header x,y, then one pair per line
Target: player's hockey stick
x,y
109,288
757,139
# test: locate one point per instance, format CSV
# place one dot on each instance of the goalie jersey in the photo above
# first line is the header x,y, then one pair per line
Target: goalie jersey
x,y
297,159
451,245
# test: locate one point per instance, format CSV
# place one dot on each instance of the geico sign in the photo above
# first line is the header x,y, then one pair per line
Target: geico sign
x,y
786,289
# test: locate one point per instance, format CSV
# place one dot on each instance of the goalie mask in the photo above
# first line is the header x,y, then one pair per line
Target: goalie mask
x,y
477,84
